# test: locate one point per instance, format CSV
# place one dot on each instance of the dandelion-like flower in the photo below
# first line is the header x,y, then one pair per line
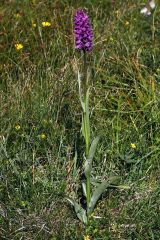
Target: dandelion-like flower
x,y
133,145
42,136
17,15
33,23
126,23
87,237
83,31
17,127
18,46
46,24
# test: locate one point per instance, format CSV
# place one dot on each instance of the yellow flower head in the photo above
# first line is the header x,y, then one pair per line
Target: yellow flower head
x,y
126,23
18,46
42,136
34,24
46,24
17,127
87,237
133,145
17,15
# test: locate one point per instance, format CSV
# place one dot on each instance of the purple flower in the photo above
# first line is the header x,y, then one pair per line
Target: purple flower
x,y
83,31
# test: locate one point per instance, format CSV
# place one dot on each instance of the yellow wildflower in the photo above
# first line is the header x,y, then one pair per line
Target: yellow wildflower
x,y
34,24
17,127
18,46
46,24
17,15
42,136
126,23
133,145
87,237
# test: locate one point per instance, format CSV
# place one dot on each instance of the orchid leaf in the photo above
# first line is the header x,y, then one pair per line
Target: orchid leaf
x,y
93,147
80,212
98,192
125,187
80,92
84,189
83,127
88,162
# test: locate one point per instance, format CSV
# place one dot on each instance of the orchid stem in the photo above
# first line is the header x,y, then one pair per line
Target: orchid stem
x,y
86,124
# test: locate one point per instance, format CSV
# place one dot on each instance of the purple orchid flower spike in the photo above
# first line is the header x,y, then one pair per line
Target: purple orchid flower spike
x,y
83,31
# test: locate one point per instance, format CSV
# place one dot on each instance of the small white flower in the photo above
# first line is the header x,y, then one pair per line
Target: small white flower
x,y
152,4
145,11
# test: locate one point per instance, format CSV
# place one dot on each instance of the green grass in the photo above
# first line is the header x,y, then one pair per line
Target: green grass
x,y
39,92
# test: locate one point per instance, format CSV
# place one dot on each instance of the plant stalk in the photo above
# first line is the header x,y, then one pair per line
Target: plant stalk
x,y
86,124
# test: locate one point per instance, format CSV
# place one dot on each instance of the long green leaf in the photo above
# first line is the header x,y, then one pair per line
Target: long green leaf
x,y
83,126
80,92
124,187
88,162
98,192
84,189
81,213
93,147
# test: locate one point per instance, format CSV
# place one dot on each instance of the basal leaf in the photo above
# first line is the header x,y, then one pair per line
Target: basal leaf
x,y
121,186
98,192
81,213
84,189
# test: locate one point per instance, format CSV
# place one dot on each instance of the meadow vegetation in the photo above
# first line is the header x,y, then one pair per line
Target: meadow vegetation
x,y
41,120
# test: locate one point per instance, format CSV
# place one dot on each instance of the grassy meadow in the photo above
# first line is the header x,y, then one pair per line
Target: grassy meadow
x,y
41,120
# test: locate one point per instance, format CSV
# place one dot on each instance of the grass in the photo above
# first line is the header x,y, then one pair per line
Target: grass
x,y
41,119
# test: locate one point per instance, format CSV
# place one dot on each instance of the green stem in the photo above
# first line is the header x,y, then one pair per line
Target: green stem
x,y
85,102
88,190
86,131
86,124
84,73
